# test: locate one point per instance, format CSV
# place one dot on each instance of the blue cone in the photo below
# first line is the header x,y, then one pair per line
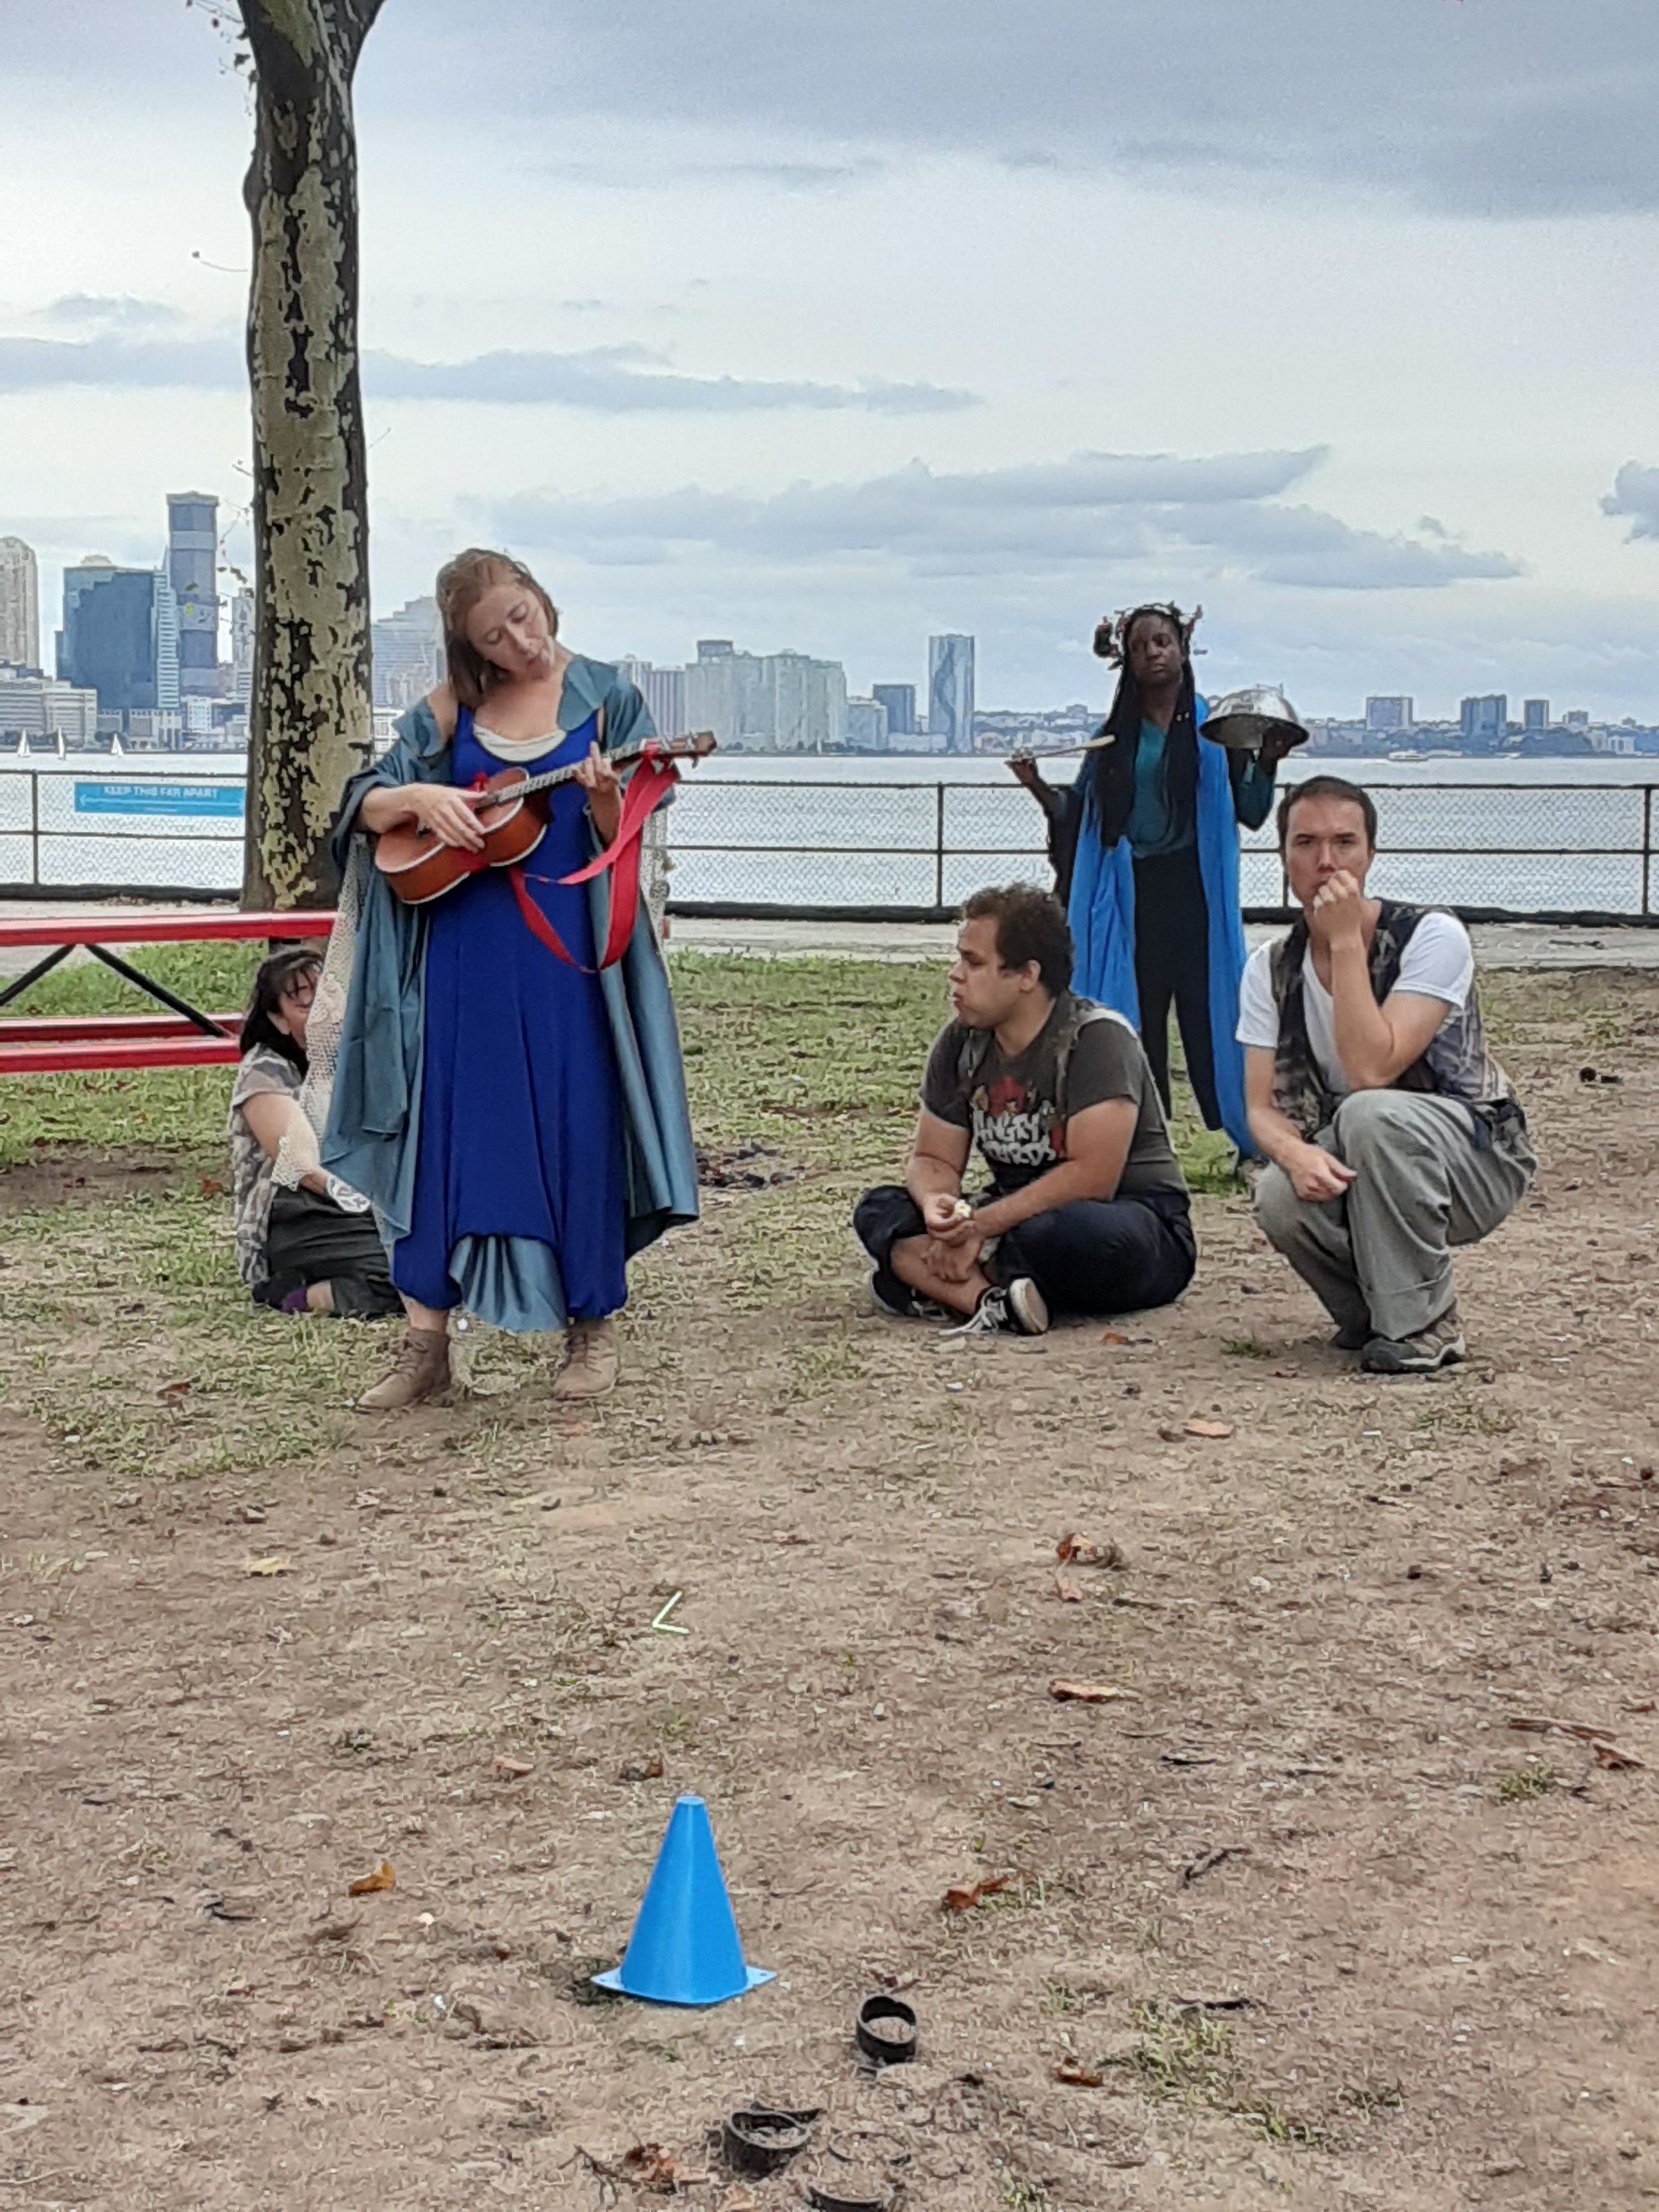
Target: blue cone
x,y
684,1948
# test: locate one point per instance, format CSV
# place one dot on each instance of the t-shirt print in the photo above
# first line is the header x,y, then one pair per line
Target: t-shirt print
x,y
1015,1126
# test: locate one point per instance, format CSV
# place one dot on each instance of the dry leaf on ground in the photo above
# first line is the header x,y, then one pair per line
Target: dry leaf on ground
x,y
1068,1590
1216,1429
1086,1694
1083,1552
1082,2077
648,2166
275,1563
1113,1336
382,1878
643,1770
512,1769
963,1896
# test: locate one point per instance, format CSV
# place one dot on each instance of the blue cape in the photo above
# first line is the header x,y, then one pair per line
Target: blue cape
x,y
1103,918
375,1112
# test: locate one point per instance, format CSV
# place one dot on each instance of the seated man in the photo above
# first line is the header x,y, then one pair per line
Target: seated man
x,y
1393,1134
1087,1212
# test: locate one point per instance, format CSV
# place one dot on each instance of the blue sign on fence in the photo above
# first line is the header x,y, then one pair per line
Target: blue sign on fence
x,y
147,798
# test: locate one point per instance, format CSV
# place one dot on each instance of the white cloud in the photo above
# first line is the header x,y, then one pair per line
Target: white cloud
x,y
1090,512
618,379
1636,493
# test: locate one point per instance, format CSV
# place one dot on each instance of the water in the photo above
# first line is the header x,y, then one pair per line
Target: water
x,y
1529,837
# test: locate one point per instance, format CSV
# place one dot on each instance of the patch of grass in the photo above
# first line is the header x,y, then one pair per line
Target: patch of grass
x,y
1247,1347
1188,2056
1020,2195
1535,1779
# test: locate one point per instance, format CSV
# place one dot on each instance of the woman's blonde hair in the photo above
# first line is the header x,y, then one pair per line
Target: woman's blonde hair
x,y
462,583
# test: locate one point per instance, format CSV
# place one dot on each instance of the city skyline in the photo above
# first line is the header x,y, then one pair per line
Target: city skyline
x,y
902,334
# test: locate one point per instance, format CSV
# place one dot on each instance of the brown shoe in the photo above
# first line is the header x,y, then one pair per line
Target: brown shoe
x,y
590,1360
421,1371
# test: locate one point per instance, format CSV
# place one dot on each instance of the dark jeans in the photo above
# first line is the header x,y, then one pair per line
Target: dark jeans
x,y
1172,963
1094,1256
309,1241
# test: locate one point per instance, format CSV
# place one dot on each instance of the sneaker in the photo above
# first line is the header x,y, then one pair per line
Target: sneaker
x,y
1439,1344
421,1371
591,1360
1016,1309
1354,1335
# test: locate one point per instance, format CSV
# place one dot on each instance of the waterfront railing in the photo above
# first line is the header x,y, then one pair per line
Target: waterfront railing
x,y
835,849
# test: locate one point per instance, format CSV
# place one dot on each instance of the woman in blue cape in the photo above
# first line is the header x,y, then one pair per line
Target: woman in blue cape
x,y
518,1118
1145,846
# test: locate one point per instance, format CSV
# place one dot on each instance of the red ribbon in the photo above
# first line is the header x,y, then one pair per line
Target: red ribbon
x,y
647,787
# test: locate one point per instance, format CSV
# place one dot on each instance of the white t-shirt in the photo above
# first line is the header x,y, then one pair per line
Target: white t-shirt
x,y
1438,963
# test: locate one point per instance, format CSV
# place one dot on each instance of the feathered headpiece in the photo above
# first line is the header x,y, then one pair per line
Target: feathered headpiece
x,y
1112,631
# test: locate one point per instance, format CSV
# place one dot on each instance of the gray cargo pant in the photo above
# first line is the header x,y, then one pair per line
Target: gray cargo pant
x,y
1380,1254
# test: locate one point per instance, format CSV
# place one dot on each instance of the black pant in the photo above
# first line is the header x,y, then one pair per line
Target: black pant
x,y
1172,961
1094,1256
308,1240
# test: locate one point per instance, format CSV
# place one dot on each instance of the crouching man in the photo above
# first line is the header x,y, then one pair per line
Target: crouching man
x,y
1087,1212
1392,1133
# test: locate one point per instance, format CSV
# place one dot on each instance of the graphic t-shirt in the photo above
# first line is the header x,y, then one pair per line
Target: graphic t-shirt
x,y
1013,1106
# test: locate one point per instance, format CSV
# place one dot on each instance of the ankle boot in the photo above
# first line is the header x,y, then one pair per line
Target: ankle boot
x,y
421,1371
590,1360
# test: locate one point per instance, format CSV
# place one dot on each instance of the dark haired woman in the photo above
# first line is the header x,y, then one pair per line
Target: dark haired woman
x,y
304,1241
1145,846
517,1116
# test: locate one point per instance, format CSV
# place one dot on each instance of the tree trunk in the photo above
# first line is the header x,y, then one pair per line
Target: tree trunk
x,y
310,723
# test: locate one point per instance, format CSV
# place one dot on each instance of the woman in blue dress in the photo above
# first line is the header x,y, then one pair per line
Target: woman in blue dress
x,y
518,1118
1144,847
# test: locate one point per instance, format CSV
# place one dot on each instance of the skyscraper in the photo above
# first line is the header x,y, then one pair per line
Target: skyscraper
x,y
950,691
20,605
241,647
407,650
662,691
1534,716
193,568
900,701
120,636
1486,718
1387,711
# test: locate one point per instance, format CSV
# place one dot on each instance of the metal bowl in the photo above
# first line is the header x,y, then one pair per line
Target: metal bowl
x,y
1241,720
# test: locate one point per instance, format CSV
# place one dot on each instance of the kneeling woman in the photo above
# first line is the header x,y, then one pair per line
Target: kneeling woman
x,y
305,1242
518,1117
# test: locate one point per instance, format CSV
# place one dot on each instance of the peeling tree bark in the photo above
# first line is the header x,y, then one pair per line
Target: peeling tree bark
x,y
310,720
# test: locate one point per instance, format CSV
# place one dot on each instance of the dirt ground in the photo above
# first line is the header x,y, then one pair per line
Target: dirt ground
x,y
1312,1905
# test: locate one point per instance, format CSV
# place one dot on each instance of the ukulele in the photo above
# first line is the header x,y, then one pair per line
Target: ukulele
x,y
420,867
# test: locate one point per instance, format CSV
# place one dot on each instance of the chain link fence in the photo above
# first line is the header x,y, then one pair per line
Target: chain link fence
x,y
908,850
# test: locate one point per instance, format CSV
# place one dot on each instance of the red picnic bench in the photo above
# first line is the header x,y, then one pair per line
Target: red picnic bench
x,y
52,1045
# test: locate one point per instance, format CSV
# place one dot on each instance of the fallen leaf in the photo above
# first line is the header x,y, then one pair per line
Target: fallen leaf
x,y
173,1389
211,1187
1085,1693
1068,1590
1209,1429
1081,2076
382,1878
1608,1755
962,1896
1082,1552
643,1770
1113,1336
512,1769
275,1563
648,2166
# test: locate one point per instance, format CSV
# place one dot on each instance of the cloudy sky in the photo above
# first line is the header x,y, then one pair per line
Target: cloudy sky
x,y
832,322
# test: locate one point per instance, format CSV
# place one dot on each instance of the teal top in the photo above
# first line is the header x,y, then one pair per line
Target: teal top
x,y
1152,829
